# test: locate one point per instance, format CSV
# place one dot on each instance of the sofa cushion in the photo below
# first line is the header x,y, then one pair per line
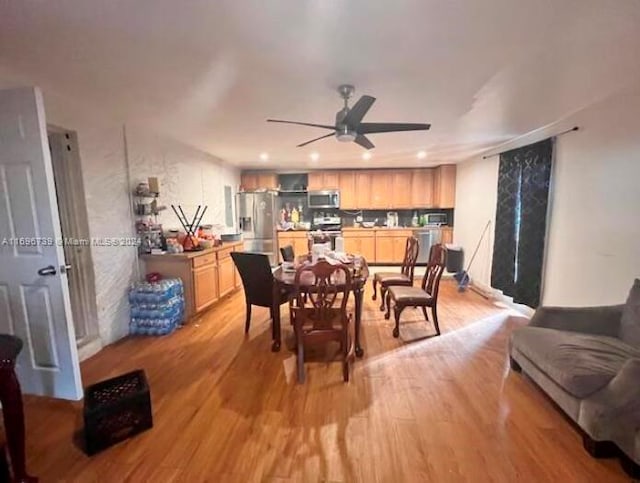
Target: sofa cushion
x,y
580,363
630,322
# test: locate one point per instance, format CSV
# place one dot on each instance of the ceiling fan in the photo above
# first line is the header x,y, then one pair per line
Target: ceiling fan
x,y
349,126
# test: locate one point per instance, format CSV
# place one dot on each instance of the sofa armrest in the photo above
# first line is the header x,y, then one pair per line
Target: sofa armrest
x,y
613,413
603,320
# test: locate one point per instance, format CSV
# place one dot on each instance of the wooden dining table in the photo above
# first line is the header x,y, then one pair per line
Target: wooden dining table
x,y
285,281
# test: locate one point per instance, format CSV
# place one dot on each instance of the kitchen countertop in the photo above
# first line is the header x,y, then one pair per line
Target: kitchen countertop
x,y
189,255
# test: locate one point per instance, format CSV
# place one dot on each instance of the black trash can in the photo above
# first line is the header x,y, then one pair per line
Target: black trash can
x,y
455,259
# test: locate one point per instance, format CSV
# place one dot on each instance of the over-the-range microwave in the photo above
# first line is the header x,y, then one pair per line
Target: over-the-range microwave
x,y
324,199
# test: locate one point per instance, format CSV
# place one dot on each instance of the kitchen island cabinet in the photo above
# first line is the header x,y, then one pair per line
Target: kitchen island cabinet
x,y
206,275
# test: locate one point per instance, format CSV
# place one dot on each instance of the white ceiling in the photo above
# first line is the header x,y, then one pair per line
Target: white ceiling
x,y
209,72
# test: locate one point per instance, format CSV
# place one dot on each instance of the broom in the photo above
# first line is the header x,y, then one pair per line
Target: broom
x,y
463,276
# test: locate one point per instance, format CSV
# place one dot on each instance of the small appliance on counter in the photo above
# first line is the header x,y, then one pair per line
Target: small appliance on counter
x,y
435,219
392,219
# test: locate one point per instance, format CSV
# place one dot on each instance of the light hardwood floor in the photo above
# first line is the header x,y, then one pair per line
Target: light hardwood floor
x,y
226,409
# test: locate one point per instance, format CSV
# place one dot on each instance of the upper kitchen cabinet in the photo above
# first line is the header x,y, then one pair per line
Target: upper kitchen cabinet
x,y
381,189
422,188
315,180
254,180
444,186
363,189
331,180
401,194
323,180
347,186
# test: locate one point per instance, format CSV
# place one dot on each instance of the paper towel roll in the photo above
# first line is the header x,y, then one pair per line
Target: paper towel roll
x,y
339,244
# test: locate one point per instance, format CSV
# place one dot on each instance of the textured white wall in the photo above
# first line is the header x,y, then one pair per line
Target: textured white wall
x,y
187,176
593,245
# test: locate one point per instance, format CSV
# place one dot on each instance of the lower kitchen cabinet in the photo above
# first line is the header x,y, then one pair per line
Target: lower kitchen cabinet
x,y
206,275
226,272
297,239
390,245
205,286
447,235
360,242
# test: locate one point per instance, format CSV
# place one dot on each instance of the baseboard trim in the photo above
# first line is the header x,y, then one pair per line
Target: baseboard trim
x,y
89,348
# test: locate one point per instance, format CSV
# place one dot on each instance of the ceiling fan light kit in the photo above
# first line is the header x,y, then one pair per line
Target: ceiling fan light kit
x,y
349,126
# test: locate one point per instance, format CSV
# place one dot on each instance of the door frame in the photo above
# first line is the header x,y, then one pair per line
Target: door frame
x,y
74,221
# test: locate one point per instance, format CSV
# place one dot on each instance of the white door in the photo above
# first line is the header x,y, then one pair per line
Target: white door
x,y
34,295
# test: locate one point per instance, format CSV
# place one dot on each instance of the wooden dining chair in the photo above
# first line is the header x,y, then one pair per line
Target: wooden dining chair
x,y
288,255
322,316
423,296
257,280
404,278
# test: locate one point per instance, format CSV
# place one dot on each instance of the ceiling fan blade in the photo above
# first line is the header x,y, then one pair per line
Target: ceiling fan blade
x,y
359,109
378,127
325,126
363,141
316,139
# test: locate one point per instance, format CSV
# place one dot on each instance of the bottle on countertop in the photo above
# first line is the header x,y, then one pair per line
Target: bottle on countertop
x,y
295,215
414,219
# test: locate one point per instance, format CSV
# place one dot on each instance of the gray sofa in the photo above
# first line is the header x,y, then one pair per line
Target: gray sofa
x,y
588,361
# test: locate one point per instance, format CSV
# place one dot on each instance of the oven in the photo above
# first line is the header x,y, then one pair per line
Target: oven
x,y
324,199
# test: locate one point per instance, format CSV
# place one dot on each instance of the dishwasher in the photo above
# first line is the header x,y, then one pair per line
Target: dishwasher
x,y
427,238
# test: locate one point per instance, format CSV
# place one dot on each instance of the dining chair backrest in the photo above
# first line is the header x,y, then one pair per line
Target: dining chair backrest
x,y
325,284
288,255
257,277
435,269
411,251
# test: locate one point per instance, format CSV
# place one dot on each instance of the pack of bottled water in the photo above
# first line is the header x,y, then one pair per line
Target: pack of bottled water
x,y
157,308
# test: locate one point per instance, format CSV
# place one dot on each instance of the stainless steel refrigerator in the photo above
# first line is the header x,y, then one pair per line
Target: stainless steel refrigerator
x,y
257,216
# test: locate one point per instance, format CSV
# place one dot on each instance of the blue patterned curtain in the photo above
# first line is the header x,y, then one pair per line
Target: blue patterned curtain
x,y
524,176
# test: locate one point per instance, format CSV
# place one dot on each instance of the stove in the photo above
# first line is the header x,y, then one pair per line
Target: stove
x,y
331,224
326,228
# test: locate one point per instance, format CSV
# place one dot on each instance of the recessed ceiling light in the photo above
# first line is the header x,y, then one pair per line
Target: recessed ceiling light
x,y
366,155
264,156
422,154
314,156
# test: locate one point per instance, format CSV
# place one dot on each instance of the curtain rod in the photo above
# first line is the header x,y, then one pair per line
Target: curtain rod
x,y
574,128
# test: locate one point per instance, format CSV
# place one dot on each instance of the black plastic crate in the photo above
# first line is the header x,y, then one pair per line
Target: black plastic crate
x,y
115,410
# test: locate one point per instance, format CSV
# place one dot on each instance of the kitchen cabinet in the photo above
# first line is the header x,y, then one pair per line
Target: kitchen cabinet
x,y
444,186
360,242
254,180
268,181
390,245
205,283
422,188
323,180
226,275
249,181
297,239
347,187
446,235
384,249
331,180
206,275
381,186
315,180
402,189
363,189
